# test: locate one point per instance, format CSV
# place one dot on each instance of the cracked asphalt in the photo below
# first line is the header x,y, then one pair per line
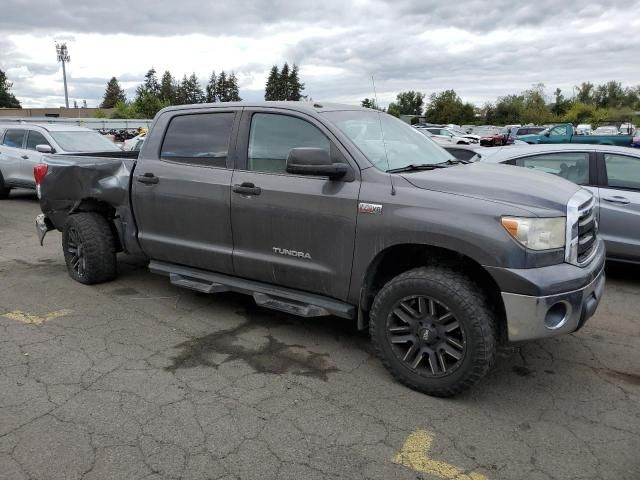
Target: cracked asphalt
x,y
136,379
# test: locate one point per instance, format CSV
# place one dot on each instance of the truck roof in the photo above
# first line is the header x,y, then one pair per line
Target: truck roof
x,y
298,106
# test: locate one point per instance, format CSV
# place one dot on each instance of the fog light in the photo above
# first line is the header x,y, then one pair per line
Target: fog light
x,y
556,316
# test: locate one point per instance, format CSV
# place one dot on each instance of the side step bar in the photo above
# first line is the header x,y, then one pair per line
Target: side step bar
x,y
284,299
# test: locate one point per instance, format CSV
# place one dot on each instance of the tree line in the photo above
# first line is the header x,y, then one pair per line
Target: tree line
x,y
610,101
154,94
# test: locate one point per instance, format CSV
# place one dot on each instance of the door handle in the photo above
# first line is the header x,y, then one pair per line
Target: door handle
x,y
247,188
25,157
147,178
617,199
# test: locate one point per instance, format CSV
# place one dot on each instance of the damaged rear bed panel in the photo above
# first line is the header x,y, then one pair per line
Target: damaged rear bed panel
x,y
76,183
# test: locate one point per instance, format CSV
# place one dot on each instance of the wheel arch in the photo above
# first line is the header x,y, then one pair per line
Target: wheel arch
x,y
399,258
104,209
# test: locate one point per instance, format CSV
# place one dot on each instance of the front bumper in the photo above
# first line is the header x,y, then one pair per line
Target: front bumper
x,y
530,317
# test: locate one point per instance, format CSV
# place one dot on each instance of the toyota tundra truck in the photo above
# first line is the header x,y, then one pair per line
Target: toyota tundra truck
x,y
337,210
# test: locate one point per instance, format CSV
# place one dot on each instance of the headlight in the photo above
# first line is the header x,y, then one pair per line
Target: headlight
x,y
537,233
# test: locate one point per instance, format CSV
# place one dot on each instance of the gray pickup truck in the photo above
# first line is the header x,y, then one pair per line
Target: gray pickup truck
x,y
337,210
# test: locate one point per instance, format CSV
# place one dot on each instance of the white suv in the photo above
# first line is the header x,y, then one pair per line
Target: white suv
x,y
22,146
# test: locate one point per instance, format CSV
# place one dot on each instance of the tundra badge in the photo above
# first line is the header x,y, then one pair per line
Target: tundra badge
x,y
371,208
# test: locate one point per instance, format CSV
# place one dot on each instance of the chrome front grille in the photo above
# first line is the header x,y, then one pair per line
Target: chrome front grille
x,y
582,228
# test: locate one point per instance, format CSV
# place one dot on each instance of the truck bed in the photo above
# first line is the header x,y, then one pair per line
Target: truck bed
x,y
73,180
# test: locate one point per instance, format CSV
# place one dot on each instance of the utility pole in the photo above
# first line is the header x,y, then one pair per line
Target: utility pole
x,y
63,56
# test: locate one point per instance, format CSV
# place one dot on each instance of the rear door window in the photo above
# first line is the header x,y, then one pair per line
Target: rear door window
x,y
14,138
35,138
623,171
199,139
572,166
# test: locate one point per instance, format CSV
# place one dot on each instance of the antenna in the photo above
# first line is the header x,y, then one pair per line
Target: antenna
x,y
384,142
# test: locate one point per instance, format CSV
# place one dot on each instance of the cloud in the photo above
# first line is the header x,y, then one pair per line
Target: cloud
x,y
481,49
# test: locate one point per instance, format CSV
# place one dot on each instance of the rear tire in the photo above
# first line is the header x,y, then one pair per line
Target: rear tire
x,y
434,331
89,248
4,190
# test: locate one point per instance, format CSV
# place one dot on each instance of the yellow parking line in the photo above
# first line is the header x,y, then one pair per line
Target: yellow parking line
x,y
32,318
414,454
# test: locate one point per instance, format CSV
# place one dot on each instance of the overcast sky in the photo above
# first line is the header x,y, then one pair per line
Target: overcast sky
x,y
482,49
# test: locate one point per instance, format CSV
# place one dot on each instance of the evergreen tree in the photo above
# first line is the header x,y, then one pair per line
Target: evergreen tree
x,y
84,104
222,87
113,94
75,104
295,88
190,91
150,85
272,84
212,86
233,91
283,83
168,88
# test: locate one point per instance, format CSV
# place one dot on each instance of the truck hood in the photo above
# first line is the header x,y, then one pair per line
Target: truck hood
x,y
502,183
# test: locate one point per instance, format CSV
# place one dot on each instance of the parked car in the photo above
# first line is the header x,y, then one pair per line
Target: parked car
x,y
134,143
450,136
611,173
469,153
627,128
489,136
635,142
517,132
606,130
564,133
22,146
345,211
582,129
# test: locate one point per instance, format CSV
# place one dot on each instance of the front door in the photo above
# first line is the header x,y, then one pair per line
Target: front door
x,y
292,230
181,190
558,134
620,206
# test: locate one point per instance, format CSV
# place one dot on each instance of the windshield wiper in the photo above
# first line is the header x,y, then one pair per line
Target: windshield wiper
x,y
454,161
415,167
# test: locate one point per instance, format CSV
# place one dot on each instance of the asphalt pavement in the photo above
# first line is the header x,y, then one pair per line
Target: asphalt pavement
x,y
139,379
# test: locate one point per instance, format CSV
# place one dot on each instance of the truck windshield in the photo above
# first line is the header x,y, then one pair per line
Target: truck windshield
x,y
79,141
388,143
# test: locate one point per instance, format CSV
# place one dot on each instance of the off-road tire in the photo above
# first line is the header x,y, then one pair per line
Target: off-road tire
x,y
466,302
92,235
4,190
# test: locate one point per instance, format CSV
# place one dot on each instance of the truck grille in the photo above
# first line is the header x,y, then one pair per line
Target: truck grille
x,y
587,229
582,229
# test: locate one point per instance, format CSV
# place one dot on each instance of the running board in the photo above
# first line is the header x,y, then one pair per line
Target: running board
x,y
283,299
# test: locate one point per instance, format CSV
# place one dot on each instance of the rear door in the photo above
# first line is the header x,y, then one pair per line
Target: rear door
x,y
181,189
620,205
11,156
293,230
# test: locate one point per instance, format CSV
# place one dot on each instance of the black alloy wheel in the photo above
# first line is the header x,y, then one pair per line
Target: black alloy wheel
x,y
426,336
75,248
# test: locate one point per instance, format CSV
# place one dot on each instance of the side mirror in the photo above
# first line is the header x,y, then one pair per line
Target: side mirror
x,y
44,149
314,161
546,134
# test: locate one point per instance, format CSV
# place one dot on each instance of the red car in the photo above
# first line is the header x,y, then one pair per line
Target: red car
x,y
489,136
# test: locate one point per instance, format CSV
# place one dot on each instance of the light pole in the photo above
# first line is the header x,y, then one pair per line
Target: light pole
x,y
63,56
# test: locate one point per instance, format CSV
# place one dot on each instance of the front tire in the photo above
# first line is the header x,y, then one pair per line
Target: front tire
x,y
4,190
89,248
434,331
